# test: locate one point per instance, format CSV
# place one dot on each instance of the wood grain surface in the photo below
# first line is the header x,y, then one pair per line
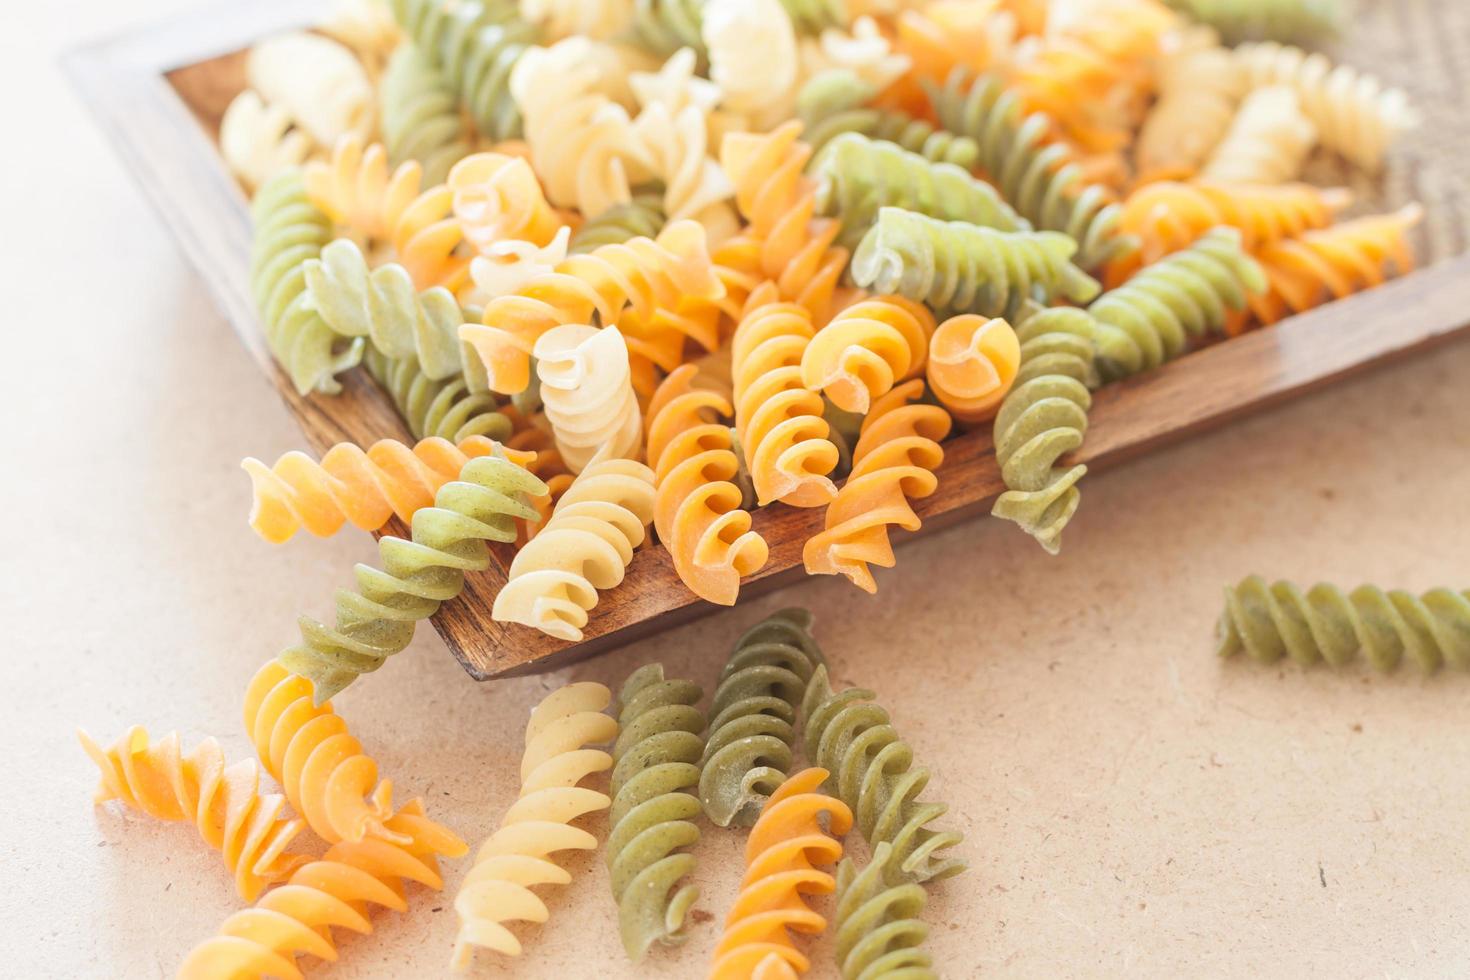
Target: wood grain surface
x,y
160,94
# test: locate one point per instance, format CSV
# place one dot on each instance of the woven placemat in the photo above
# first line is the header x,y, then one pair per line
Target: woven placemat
x,y
1423,47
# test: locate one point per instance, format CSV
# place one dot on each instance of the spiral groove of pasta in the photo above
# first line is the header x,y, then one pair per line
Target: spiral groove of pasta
x,y
967,268
778,422
335,891
1150,318
664,26
517,856
289,230
866,349
225,803
448,409
642,217
1268,140
943,35
1043,418
836,102
785,242
421,119
365,487
878,931
784,860
475,43
655,763
1276,620
356,189
498,197
858,176
697,507
748,751
1303,273
650,279
584,548
587,390
874,773
893,463
1278,20
1038,176
972,365
448,539
260,140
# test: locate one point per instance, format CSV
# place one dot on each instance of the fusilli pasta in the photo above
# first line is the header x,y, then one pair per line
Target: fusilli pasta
x,y
866,349
972,364
878,931
1279,20
1200,85
421,120
1267,143
588,393
259,140
451,409
836,101
317,81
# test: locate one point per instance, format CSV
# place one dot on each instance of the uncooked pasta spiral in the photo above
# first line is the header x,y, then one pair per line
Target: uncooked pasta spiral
x,y
583,549
225,802
675,147
655,764
476,44
366,27
539,824
388,479
893,463
877,930
777,419
1039,176
665,26
1044,417
378,619
1354,113
748,752
697,507
588,393
449,409
1150,318
1272,621
1267,143
874,773
967,268
337,890
600,19
648,278
643,217
259,140
836,101
289,230
316,80
497,197
972,364
753,57
421,120
1200,85
866,349
784,859
1278,20
858,176
815,16
1302,273
943,35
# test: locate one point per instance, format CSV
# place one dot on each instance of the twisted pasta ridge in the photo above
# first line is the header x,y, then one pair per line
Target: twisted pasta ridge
x,y
948,34
697,506
259,140
972,364
664,26
1200,85
643,217
449,409
778,422
815,16
784,857
893,463
1271,621
747,753
320,82
874,773
1149,319
289,230
1303,273
858,176
448,539
655,761
224,802
787,243
878,930
497,197
836,101
867,348
651,279
1038,176
421,120
366,487
587,391
1280,20
967,268
517,856
676,146
475,43
1355,114
1043,418
584,548
1267,142
336,891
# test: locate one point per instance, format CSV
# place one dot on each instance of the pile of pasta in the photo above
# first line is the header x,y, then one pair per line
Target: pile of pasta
x,y
632,271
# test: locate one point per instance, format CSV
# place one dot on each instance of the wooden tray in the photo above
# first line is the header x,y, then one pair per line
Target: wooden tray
x,y
159,93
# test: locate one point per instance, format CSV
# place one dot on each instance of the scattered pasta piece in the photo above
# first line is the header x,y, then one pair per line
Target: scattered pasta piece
x,y
1267,143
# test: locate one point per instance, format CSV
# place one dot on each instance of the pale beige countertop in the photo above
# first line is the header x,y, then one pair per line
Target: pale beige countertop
x,y
1131,804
